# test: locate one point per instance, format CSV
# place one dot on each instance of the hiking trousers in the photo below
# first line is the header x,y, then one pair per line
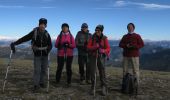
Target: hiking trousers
x,y
40,69
100,61
61,60
134,63
84,64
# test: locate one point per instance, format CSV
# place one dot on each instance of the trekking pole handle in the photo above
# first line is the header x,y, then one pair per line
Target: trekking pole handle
x,y
11,54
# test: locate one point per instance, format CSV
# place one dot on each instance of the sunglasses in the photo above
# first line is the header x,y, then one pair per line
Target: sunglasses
x,y
97,30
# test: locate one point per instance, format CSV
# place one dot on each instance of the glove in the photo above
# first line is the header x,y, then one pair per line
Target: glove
x,y
130,46
66,44
101,51
96,46
12,45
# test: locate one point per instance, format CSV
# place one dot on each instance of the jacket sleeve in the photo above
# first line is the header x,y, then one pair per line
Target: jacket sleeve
x,y
76,40
122,43
140,42
49,44
73,45
24,38
57,42
107,49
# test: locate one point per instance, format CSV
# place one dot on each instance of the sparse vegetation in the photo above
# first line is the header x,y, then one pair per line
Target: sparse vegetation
x,y
154,85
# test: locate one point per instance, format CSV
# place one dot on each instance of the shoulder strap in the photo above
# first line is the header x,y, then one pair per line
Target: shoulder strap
x,y
36,32
46,34
103,38
60,37
70,37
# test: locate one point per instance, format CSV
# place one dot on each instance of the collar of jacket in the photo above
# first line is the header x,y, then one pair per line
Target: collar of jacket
x,y
131,32
65,33
84,32
99,37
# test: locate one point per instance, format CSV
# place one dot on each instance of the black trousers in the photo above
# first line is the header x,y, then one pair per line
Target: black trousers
x,y
84,63
61,60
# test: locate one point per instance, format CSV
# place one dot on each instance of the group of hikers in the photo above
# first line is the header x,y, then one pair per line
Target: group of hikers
x,y
93,49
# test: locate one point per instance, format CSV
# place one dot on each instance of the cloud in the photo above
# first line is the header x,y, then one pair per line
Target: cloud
x,y
7,37
4,6
152,6
108,8
20,7
121,3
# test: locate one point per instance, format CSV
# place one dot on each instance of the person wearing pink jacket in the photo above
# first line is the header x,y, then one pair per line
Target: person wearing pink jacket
x,y
65,44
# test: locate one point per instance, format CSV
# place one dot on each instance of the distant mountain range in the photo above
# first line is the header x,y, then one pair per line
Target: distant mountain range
x,y
154,56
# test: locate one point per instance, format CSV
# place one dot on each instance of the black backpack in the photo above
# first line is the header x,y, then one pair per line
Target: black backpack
x,y
129,84
34,38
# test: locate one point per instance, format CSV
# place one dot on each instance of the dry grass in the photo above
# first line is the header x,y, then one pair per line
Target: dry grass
x,y
154,85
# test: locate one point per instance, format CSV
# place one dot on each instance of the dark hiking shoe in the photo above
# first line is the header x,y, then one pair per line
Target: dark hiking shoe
x,y
68,85
104,90
36,89
57,82
82,82
88,81
92,91
43,86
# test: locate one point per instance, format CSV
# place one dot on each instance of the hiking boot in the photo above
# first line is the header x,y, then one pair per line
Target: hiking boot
x,y
88,81
57,82
35,89
92,91
43,86
104,91
82,82
68,85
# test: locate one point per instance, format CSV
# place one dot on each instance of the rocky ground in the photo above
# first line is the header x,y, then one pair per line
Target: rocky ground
x,y
153,85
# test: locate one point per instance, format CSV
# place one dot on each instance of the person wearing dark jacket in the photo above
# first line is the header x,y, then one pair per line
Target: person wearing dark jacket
x,y
131,44
41,46
99,49
81,40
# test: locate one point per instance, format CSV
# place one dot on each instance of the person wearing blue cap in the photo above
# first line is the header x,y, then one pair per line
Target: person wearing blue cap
x,y
82,39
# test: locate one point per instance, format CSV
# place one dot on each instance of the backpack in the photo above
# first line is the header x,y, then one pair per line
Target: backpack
x,y
35,34
129,84
86,36
34,38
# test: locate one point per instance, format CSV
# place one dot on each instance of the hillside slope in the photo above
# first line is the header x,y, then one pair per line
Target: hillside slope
x,y
153,86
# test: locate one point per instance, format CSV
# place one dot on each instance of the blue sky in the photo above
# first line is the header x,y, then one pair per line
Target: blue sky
x,y
151,17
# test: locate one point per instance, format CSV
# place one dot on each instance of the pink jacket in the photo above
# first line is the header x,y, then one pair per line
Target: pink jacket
x,y
66,37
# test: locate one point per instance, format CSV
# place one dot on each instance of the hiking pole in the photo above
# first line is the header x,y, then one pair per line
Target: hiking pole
x,y
65,53
48,76
6,75
95,75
